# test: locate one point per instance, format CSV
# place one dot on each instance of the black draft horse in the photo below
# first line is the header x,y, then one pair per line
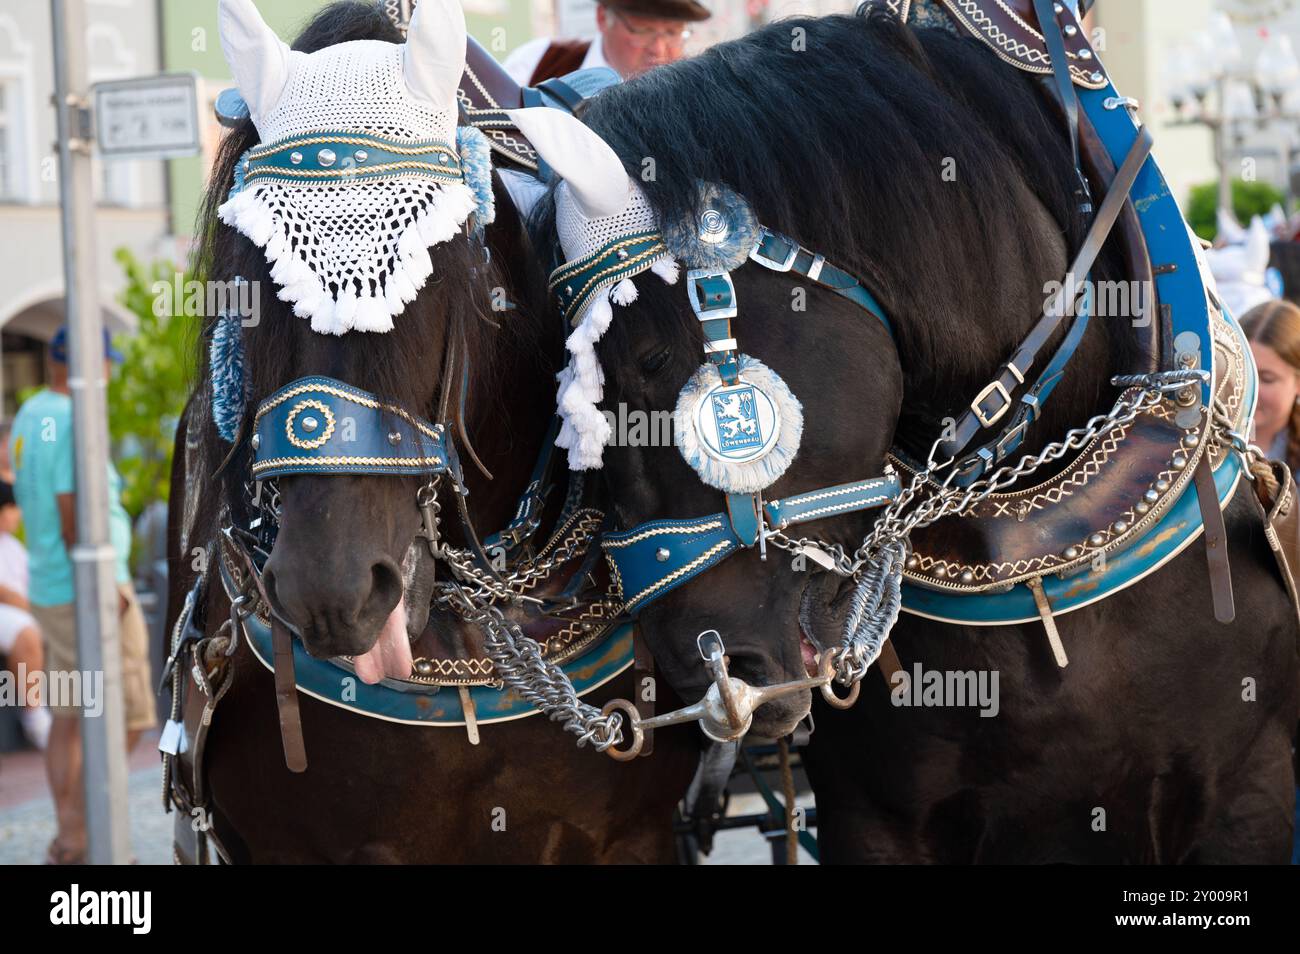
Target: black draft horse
x,y
378,791
917,161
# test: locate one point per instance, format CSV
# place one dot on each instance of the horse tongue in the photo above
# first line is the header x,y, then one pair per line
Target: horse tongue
x,y
391,653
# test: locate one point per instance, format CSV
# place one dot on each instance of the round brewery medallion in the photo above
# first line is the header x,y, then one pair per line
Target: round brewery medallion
x,y
737,422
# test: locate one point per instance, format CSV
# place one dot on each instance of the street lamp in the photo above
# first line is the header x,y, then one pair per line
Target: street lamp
x,y
1244,98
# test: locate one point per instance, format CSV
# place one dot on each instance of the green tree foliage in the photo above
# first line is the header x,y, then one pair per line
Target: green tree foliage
x,y
1249,199
149,388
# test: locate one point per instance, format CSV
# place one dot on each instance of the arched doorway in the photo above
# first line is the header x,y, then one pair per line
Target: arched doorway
x,y
26,328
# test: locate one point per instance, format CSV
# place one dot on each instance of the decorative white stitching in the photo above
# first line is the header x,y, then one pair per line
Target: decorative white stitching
x,y
659,531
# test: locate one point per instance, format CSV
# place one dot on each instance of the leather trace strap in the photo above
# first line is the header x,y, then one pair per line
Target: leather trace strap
x,y
1051,27
528,512
994,400
779,253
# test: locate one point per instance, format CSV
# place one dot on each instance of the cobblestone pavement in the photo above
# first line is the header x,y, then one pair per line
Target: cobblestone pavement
x,y
27,826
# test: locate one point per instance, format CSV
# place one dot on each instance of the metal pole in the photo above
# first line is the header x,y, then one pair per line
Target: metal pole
x,y
1222,133
98,647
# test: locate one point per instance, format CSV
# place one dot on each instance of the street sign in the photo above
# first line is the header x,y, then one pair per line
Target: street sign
x,y
149,117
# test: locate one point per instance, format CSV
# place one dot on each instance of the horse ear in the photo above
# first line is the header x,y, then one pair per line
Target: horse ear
x,y
1230,231
596,177
1257,243
258,59
434,55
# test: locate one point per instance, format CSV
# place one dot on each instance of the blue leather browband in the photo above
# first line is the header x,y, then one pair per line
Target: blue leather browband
x,y
656,557
347,156
319,425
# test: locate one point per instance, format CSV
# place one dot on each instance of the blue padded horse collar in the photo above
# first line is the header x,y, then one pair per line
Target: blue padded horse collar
x,y
319,425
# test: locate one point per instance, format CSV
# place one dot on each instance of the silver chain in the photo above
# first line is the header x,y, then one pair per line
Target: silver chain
x,y
519,663
516,657
877,565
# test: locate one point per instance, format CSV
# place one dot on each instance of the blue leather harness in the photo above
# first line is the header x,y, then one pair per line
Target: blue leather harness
x,y
656,557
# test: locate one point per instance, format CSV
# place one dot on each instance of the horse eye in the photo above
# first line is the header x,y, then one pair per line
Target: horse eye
x,y
656,361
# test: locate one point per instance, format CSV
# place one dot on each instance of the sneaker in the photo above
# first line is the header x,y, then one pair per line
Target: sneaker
x,y
36,721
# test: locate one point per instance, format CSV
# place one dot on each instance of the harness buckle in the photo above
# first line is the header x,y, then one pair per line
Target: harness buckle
x,y
1011,439
719,293
993,387
767,261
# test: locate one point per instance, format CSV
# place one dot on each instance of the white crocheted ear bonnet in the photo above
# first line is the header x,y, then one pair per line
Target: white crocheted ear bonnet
x,y
358,172
595,203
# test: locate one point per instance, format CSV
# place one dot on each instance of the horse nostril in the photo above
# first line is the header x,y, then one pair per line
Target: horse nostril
x,y
272,595
385,590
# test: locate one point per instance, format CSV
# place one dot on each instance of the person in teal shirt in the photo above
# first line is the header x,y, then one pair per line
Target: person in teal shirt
x,y
42,451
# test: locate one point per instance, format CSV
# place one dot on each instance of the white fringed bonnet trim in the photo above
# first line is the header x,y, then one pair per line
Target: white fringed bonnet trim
x,y
584,430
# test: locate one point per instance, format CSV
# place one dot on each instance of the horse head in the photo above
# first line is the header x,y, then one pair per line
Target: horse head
x,y
652,188
363,219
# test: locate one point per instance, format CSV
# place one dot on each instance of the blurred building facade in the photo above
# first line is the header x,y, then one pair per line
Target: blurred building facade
x,y
123,41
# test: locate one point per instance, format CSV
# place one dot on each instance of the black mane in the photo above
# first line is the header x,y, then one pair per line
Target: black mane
x,y
810,118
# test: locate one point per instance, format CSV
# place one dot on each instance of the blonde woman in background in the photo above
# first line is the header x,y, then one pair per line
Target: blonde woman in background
x,y
1273,330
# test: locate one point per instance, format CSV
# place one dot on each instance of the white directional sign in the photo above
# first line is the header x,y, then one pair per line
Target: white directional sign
x,y
151,117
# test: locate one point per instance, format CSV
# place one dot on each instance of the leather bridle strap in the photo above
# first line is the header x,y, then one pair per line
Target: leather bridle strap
x,y
286,688
1051,27
994,399
286,697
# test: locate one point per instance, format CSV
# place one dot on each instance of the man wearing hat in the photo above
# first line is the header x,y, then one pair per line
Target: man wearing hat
x,y
635,36
41,449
